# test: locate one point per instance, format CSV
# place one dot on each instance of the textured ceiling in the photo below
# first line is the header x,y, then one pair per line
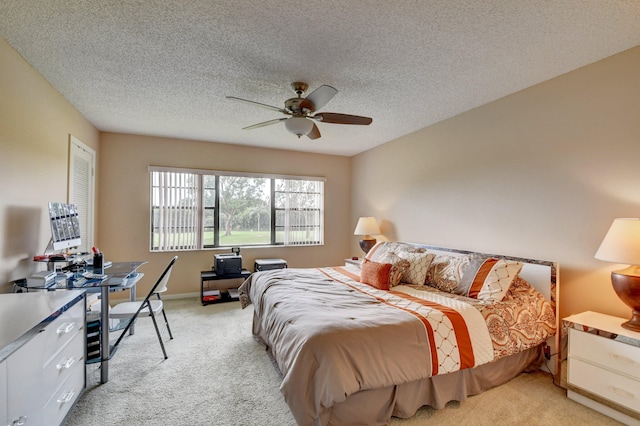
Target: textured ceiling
x,y
164,68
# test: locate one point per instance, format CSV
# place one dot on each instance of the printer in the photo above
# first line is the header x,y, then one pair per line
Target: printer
x,y
228,263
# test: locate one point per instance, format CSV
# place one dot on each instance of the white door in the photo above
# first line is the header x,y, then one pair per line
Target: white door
x,y
82,165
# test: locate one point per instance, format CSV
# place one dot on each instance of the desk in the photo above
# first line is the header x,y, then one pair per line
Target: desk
x,y
121,276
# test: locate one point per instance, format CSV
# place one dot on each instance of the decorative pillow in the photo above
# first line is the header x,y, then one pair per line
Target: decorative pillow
x,y
488,279
416,259
445,272
375,274
398,267
419,262
380,248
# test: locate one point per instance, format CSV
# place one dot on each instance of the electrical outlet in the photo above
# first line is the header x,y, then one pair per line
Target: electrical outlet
x,y
547,351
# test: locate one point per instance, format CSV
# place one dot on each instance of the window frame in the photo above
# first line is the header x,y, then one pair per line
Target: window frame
x,y
201,209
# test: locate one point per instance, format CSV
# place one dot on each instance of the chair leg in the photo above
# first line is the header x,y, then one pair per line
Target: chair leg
x,y
155,324
166,321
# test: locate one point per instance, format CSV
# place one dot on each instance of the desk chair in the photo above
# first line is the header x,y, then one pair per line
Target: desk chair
x,y
131,310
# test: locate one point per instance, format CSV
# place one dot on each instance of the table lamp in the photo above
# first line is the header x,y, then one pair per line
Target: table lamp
x,y
621,244
367,226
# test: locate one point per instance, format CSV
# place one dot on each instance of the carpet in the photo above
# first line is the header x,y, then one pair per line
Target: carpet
x,y
217,374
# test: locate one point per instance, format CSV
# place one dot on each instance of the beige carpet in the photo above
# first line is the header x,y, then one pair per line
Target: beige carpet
x,y
217,374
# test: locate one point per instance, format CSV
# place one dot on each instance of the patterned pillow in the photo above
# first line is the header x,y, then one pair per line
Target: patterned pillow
x,y
488,279
375,274
419,262
445,272
379,249
398,267
415,263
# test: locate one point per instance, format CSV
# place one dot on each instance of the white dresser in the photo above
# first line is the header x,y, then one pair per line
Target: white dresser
x,y
604,366
42,354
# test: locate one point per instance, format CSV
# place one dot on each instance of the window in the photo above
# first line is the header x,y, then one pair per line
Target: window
x,y
200,209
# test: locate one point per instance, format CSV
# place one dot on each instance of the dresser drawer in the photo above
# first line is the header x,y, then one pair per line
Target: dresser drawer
x,y
608,353
64,362
65,395
63,329
617,388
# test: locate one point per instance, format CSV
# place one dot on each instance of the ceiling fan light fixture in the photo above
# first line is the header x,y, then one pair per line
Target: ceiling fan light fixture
x,y
299,126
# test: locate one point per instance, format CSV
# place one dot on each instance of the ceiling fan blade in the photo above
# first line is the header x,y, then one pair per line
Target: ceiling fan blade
x,y
318,98
265,123
333,117
314,133
233,98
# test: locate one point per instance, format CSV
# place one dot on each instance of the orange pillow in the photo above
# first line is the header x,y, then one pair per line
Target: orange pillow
x,y
375,274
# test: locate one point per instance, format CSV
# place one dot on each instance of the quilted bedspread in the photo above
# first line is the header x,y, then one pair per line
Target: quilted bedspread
x,y
333,336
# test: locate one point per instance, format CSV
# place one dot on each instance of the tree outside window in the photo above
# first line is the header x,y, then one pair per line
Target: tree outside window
x,y
193,210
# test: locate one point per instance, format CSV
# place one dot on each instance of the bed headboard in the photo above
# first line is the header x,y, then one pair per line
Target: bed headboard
x,y
541,274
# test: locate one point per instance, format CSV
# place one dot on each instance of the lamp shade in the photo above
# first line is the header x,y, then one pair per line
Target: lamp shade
x,y
621,244
299,126
367,226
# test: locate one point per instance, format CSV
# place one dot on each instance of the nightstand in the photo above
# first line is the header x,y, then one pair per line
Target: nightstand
x,y
604,366
353,262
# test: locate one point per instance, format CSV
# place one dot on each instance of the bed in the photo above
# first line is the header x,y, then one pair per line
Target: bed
x,y
412,325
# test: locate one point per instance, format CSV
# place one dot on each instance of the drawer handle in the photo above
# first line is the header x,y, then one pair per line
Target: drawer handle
x,y
66,328
623,359
66,364
622,392
20,421
66,397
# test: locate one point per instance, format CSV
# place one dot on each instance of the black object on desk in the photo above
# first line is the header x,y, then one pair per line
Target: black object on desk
x,y
217,294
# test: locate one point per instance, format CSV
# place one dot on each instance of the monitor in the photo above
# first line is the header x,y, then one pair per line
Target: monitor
x,y
65,226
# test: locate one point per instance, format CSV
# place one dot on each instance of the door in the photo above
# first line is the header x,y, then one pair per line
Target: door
x,y
82,165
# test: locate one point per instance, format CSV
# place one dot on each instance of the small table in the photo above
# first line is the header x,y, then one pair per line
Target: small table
x,y
354,262
219,295
603,362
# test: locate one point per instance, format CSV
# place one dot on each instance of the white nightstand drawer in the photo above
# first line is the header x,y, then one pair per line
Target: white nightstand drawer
x,y
615,387
605,352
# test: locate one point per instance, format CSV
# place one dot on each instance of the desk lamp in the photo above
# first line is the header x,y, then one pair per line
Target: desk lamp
x,y
621,244
367,226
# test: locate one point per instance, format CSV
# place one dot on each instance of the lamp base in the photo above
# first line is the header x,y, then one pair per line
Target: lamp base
x,y
634,323
626,283
367,245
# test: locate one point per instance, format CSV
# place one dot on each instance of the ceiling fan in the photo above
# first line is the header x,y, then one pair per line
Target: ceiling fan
x,y
301,111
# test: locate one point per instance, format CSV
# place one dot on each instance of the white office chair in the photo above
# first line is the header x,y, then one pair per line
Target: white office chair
x,y
151,308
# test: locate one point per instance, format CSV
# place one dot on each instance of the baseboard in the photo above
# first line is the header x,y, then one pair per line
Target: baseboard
x,y
180,296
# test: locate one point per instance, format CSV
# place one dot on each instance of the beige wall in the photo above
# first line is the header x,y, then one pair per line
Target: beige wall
x,y
541,174
34,140
123,231
35,123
